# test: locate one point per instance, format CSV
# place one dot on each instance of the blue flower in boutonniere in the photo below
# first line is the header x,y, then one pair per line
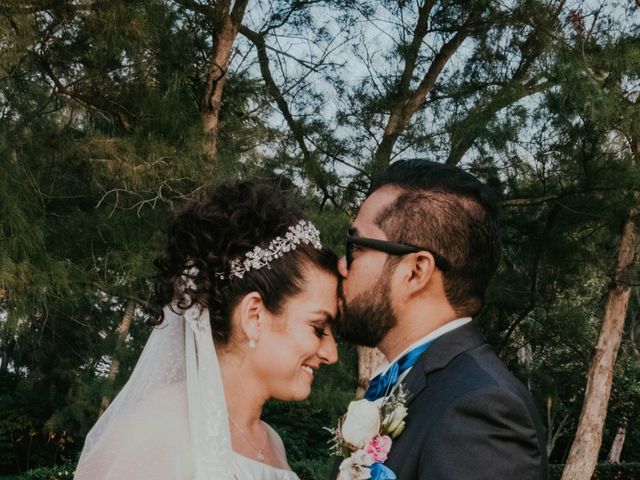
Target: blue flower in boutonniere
x,y
365,434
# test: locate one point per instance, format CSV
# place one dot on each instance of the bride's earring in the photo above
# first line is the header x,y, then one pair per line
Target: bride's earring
x,y
252,343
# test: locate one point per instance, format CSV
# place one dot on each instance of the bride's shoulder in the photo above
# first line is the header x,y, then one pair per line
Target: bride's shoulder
x,y
276,442
273,435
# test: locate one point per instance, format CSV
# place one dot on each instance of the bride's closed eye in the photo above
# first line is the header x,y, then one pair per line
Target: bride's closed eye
x,y
320,331
323,320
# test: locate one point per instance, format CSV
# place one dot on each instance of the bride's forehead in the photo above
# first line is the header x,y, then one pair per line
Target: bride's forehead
x,y
319,290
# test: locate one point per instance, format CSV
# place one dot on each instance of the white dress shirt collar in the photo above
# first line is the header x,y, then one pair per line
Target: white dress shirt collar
x,y
438,332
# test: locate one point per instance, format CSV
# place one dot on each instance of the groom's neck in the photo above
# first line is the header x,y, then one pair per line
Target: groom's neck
x,y
414,321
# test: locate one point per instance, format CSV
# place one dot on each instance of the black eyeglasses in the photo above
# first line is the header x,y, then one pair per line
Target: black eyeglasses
x,y
392,248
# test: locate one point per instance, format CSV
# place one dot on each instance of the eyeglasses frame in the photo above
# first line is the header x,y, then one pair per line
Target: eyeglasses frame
x,y
391,248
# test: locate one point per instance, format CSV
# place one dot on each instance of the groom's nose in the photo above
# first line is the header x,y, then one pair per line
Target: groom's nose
x,y
342,266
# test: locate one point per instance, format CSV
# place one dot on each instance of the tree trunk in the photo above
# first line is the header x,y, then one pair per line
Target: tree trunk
x,y
616,447
555,429
123,330
583,456
4,353
4,344
368,361
223,40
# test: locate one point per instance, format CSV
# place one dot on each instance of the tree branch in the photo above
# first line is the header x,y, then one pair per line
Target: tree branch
x,y
411,58
274,91
197,7
407,103
441,59
107,105
465,132
294,6
528,202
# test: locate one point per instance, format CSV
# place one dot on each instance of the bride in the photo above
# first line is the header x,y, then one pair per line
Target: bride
x,y
250,295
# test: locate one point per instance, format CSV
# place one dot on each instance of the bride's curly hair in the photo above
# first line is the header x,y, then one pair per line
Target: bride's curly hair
x,y
223,225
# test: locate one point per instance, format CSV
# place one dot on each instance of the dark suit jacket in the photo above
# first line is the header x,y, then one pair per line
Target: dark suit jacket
x,y
468,418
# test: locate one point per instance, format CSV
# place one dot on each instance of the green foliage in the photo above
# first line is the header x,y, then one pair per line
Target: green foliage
x,y
64,471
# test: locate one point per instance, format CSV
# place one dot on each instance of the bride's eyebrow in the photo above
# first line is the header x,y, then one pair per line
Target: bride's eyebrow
x,y
328,317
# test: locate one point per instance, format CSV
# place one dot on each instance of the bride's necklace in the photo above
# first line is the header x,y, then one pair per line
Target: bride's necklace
x,y
260,451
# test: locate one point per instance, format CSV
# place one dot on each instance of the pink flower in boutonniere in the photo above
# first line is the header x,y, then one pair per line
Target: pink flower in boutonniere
x,y
379,448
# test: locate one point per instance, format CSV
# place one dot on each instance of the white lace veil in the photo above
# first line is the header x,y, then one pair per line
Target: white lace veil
x,y
170,419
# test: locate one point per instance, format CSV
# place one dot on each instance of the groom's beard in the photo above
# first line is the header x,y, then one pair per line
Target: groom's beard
x,y
368,317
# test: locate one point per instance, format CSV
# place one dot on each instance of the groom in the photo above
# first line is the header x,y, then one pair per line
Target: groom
x,y
419,257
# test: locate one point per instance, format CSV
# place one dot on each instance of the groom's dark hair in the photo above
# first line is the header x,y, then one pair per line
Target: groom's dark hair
x,y
449,212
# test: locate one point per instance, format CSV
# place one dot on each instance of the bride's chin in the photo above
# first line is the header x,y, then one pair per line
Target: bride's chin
x,y
299,398
294,396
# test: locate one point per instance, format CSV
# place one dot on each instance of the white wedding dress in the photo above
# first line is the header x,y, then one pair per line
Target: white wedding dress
x,y
169,422
251,469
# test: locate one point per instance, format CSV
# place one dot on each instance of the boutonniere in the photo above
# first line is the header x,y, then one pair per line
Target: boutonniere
x,y
364,436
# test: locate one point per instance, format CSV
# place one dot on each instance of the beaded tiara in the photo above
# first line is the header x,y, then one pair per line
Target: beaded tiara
x,y
259,257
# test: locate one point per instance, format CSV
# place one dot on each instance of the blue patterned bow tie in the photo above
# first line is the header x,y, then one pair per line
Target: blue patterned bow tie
x,y
381,383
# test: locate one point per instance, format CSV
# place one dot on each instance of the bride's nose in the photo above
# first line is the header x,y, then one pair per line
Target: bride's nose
x,y
328,351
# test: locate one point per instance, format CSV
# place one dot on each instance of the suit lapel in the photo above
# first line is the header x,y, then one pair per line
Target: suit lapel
x,y
439,355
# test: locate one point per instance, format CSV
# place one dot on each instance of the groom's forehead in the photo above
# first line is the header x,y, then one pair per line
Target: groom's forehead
x,y
372,206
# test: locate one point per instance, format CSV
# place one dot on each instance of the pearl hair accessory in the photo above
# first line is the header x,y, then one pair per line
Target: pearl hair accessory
x,y
258,258
252,343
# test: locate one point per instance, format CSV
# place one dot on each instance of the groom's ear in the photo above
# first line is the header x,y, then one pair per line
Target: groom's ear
x,y
251,308
420,270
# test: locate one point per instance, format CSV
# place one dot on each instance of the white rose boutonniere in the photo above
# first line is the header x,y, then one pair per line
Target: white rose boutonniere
x,y
364,436
360,424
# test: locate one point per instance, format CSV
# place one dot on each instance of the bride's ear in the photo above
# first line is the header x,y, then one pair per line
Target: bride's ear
x,y
251,308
